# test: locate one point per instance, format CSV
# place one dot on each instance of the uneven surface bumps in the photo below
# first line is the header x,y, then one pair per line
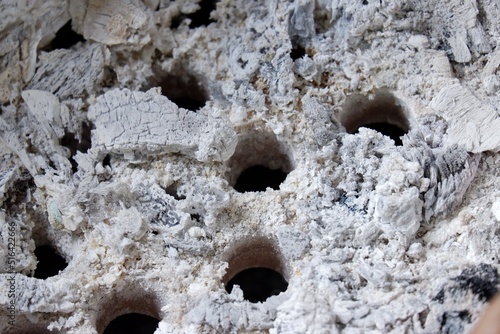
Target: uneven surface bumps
x,y
156,154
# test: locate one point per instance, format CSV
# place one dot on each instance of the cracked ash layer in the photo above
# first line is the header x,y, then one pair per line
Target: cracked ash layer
x,y
232,166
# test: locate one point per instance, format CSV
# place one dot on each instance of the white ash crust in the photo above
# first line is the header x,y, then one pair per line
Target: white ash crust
x,y
128,122
376,237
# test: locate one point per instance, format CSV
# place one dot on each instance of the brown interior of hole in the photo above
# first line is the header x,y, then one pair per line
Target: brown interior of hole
x,y
359,111
255,252
258,148
180,86
136,302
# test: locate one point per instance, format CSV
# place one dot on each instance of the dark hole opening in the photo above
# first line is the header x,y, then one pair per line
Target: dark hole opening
x,y
258,178
186,92
382,112
172,191
188,103
297,52
69,141
196,216
389,130
49,262
258,284
65,38
110,78
199,18
106,162
132,323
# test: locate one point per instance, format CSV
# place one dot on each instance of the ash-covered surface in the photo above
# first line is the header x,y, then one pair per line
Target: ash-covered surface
x,y
123,146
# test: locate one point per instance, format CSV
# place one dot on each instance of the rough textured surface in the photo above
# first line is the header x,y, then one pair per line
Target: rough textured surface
x,y
105,159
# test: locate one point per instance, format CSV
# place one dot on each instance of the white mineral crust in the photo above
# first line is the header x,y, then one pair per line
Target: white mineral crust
x,y
102,161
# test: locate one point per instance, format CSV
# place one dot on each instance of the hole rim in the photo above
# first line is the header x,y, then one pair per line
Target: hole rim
x,y
381,107
185,89
259,147
266,178
120,321
129,299
257,251
258,284
54,252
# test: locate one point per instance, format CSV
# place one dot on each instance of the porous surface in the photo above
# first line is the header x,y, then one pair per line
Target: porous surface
x,y
137,193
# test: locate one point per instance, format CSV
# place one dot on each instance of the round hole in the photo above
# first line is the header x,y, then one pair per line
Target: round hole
x,y
297,52
50,263
185,90
260,161
173,191
258,284
129,309
132,323
106,162
256,266
382,113
258,178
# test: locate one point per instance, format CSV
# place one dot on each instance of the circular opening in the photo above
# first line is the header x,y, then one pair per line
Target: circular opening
x,y
185,90
258,284
258,178
260,161
382,113
297,52
50,263
132,323
256,266
129,310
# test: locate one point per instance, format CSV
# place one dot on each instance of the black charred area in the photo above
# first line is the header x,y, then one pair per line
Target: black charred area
x,y
453,322
482,280
439,297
